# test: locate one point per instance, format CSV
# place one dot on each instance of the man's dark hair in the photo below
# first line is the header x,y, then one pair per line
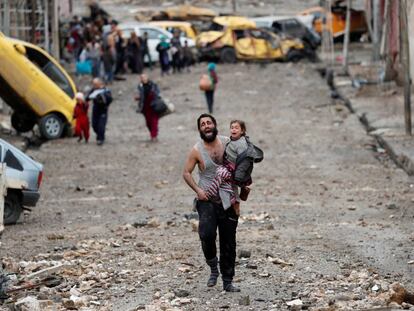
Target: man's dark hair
x,y
206,115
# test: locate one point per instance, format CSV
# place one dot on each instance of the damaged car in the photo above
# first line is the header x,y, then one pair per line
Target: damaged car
x,y
292,27
37,88
233,38
23,178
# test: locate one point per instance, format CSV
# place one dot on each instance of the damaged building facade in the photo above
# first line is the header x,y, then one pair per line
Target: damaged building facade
x,y
35,21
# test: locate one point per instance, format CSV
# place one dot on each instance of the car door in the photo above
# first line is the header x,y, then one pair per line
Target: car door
x,y
52,90
243,44
260,44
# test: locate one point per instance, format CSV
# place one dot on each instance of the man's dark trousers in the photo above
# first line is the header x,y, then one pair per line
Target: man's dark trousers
x,y
99,118
211,217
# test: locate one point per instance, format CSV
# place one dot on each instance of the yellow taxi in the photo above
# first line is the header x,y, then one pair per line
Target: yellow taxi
x,y
233,38
37,88
186,28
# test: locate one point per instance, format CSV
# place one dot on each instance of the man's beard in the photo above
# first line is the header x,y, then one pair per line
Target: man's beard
x,y
212,136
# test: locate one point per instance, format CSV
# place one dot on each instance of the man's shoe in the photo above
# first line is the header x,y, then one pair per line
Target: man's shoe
x,y
212,281
229,287
213,263
99,142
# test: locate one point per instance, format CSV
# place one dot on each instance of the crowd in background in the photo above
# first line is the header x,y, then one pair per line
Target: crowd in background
x,y
99,48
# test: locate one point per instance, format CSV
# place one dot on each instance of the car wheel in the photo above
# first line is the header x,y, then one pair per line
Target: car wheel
x,y
294,56
12,208
51,126
22,123
228,55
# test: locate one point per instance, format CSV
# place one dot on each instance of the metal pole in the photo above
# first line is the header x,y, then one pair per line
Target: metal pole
x,y
405,61
2,194
6,18
346,37
375,39
33,21
46,18
55,30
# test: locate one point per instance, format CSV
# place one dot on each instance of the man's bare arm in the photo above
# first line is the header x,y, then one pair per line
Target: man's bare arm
x,y
189,166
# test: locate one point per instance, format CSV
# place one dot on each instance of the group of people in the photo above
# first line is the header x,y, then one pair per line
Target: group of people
x,y
220,159
174,54
101,46
100,97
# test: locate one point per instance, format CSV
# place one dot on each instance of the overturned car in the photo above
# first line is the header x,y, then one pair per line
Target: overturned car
x,y
233,38
37,88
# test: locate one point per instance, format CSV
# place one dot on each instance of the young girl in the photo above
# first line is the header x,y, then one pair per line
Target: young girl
x,y
81,115
223,183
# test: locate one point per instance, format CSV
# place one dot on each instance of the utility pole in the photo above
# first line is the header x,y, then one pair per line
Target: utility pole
x,y
55,30
376,28
234,5
405,61
346,37
33,21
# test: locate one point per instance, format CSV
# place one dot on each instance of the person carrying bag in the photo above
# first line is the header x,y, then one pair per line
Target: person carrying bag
x,y
150,104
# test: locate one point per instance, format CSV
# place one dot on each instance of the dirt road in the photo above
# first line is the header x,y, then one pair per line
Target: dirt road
x,y
321,201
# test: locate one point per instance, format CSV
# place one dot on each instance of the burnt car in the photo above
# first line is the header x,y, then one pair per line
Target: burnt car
x,y
292,27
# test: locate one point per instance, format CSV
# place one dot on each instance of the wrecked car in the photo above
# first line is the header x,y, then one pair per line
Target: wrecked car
x,y
23,178
233,38
290,26
185,13
37,88
186,28
338,17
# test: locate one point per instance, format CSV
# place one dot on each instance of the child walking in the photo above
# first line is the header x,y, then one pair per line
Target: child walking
x,y
81,115
223,183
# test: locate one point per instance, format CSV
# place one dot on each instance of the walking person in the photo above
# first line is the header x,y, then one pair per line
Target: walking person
x,y
80,114
188,57
134,53
101,98
145,50
109,52
148,91
176,51
162,48
211,71
120,46
207,155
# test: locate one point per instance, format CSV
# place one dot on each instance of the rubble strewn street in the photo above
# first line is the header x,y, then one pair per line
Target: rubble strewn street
x,y
328,224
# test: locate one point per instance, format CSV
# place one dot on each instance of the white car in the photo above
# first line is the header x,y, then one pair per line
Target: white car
x,y
154,34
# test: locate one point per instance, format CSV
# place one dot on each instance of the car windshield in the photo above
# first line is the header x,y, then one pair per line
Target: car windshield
x,y
50,70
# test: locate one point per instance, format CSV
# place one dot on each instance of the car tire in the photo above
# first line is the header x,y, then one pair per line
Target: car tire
x,y
294,56
51,126
12,208
22,123
228,55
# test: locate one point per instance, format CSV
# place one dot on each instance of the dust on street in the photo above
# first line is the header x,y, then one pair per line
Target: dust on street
x,y
328,220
